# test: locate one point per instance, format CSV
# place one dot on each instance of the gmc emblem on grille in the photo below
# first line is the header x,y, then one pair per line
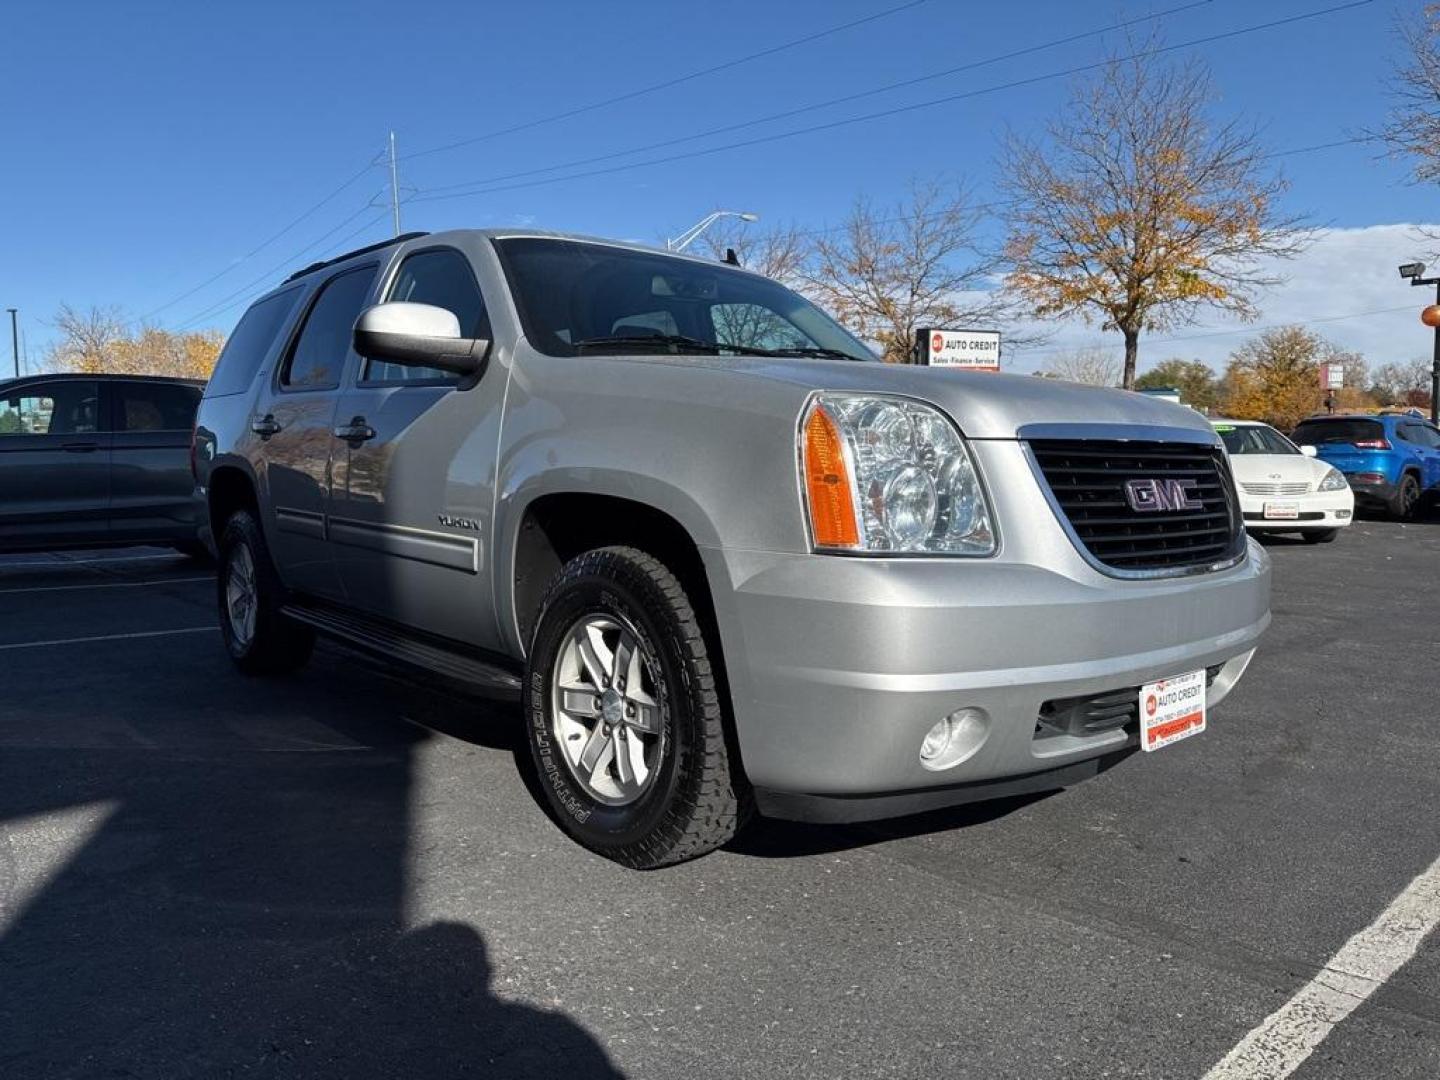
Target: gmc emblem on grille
x,y
1151,496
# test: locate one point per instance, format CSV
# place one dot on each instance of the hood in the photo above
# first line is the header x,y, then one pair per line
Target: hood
x,y
1277,468
986,405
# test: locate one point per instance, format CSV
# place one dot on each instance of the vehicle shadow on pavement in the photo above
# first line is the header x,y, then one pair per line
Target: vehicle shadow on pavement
x,y
770,839
207,876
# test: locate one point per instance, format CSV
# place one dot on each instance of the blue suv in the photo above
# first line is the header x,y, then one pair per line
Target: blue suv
x,y
1392,461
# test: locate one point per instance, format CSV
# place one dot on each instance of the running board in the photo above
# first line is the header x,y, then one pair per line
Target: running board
x,y
390,643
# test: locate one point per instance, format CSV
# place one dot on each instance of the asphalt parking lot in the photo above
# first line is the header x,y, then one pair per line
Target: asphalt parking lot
x,y
341,874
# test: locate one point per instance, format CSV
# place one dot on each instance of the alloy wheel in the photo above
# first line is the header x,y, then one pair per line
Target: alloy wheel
x,y
240,593
605,710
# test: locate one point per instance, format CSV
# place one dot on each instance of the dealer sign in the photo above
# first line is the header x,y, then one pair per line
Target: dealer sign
x,y
975,350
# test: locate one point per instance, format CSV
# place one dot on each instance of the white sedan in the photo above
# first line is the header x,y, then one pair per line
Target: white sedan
x,y
1283,489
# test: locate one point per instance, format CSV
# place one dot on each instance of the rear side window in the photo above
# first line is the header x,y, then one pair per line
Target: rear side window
x,y
1317,432
1418,435
319,353
155,406
249,343
441,277
59,408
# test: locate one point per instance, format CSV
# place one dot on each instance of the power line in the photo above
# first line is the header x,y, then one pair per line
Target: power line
x,y
998,204
630,95
898,110
257,249
267,278
788,113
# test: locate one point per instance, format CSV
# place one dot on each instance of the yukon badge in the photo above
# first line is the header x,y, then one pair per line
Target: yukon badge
x,y
450,521
1150,496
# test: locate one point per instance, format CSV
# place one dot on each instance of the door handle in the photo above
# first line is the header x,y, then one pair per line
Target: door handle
x,y
356,431
266,426
80,447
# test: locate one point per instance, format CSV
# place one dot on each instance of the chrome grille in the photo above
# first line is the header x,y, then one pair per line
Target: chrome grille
x,y
1275,489
1087,479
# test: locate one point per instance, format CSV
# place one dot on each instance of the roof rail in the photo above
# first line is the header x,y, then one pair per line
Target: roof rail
x,y
351,254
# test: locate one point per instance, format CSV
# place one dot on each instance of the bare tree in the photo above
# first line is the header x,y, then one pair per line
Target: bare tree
x,y
87,338
99,340
1136,212
1093,366
890,271
1412,129
1406,383
779,252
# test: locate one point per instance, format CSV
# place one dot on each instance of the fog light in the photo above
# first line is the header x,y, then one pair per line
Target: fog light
x,y
1342,514
954,738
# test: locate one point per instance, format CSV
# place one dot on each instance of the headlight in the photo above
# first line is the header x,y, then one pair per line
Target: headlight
x,y
889,474
1332,481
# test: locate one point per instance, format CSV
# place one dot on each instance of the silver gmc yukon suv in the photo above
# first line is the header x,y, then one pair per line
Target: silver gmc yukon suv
x,y
726,560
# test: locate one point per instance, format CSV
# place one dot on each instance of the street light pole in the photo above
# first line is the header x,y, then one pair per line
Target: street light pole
x,y
686,238
1435,367
1430,317
15,339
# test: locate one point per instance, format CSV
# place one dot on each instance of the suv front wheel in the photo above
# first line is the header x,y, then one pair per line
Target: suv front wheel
x,y
623,717
260,640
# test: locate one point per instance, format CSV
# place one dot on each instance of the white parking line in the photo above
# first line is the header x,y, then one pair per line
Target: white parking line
x,y
106,637
1291,1033
104,585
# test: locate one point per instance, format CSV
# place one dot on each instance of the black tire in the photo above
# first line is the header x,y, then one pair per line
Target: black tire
x,y
1407,499
1320,536
695,799
276,644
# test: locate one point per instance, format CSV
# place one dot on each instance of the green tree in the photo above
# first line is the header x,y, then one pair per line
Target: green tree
x,y
1198,385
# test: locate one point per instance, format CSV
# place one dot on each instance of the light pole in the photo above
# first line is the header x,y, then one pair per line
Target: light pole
x,y
1430,317
15,339
686,238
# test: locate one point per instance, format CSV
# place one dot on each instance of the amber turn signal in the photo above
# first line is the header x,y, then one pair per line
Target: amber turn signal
x,y
827,483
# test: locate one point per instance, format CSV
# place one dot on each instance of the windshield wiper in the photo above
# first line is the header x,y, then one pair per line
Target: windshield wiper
x,y
676,341
812,350
684,341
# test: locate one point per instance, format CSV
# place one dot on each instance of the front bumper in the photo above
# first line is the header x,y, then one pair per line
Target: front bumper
x,y
838,666
1317,510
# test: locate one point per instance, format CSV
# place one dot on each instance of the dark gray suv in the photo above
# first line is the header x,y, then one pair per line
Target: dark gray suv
x,y
97,460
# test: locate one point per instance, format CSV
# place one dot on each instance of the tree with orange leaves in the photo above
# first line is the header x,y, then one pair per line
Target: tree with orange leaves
x,y
99,340
1136,212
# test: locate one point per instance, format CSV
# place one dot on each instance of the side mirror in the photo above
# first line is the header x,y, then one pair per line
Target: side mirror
x,y
418,335
1309,451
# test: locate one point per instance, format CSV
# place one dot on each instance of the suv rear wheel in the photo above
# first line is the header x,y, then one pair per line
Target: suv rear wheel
x,y
623,717
1407,498
260,640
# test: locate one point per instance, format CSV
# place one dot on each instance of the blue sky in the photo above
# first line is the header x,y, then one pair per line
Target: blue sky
x,y
149,147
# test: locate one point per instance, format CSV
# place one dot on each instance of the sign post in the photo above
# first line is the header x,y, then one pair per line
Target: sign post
x,y
969,350
1332,378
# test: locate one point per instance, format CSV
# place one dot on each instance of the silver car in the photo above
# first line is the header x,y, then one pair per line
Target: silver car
x,y
725,558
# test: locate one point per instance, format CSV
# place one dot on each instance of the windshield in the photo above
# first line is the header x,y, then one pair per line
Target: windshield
x,y
1316,432
1254,439
576,297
